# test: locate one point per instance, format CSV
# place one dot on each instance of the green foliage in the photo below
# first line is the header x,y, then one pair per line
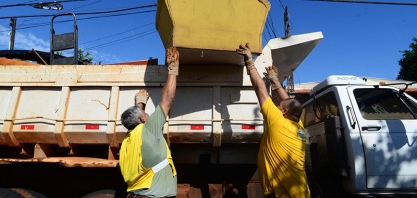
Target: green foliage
x,y
408,63
82,55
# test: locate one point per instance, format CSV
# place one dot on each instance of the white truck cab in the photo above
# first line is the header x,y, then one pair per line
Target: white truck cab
x,y
362,135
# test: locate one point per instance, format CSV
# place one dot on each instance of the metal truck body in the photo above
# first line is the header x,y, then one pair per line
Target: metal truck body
x,y
69,116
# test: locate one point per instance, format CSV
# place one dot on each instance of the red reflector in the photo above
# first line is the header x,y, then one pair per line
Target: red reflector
x,y
92,126
197,127
27,127
248,127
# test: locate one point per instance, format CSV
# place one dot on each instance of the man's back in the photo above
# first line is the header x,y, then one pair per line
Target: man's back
x,y
154,150
143,149
281,155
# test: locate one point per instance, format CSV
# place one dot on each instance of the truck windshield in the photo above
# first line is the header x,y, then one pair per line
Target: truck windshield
x,y
381,104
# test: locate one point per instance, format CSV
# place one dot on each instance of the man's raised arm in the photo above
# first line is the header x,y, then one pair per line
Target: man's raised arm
x,y
256,80
278,93
168,92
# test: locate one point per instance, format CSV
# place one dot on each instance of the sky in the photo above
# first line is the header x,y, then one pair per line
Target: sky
x,y
363,40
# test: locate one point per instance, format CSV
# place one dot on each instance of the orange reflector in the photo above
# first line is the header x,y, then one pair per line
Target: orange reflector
x,y
248,127
92,126
27,127
197,127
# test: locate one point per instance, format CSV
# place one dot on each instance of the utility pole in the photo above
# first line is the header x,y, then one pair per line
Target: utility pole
x,y
12,34
286,22
290,79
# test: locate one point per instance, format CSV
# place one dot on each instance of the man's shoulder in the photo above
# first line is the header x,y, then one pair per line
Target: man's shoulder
x,y
155,117
158,110
270,108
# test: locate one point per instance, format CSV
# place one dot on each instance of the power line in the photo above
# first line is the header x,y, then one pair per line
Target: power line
x,y
84,13
117,41
85,5
368,2
31,4
271,24
63,12
116,34
79,19
67,11
122,40
281,4
268,29
30,1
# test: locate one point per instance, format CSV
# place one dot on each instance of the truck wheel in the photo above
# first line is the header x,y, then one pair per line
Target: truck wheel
x,y
20,193
5,192
109,193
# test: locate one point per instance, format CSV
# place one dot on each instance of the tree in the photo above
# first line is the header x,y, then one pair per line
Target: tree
x,y
84,56
408,63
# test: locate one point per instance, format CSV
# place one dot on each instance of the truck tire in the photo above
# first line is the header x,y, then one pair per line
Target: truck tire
x,y
107,193
5,192
20,193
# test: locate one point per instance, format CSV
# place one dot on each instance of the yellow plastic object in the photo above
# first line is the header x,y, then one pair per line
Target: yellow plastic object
x,y
205,30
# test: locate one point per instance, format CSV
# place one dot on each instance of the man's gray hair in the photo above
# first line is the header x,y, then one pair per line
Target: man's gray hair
x,y
130,117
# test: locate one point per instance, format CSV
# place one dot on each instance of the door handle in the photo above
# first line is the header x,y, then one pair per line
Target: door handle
x,y
371,128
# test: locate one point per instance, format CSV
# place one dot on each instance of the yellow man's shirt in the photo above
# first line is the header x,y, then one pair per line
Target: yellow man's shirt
x,y
281,155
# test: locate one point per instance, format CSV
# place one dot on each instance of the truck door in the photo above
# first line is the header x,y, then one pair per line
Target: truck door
x,y
388,129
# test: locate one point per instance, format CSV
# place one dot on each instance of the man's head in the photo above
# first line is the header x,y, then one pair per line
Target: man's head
x,y
291,109
133,116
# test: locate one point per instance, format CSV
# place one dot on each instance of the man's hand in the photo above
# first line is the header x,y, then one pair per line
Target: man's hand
x,y
272,75
141,98
172,60
247,55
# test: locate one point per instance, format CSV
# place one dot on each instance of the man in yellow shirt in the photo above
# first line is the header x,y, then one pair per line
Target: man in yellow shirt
x,y
145,159
282,150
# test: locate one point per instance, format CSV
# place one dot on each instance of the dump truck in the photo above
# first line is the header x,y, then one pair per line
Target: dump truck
x,y
61,131
60,123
